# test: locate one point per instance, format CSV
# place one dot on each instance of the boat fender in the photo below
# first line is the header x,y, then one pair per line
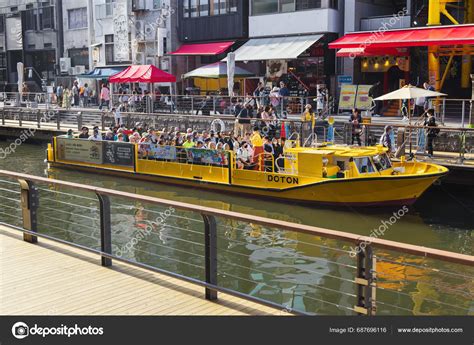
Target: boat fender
x,y
219,122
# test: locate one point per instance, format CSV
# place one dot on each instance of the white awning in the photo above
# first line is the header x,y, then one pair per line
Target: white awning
x,y
275,48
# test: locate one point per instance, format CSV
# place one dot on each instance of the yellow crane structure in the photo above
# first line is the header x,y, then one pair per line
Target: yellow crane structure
x,y
437,9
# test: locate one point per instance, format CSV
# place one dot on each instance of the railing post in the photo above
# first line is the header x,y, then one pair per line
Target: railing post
x,y
366,280
210,243
38,118
102,120
105,228
20,118
79,120
463,116
29,206
3,117
58,120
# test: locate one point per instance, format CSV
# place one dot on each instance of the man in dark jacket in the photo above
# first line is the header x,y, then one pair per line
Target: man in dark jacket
x,y
356,120
431,131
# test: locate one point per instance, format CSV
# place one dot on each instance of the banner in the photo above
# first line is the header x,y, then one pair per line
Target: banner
x,y
117,153
363,101
163,152
348,96
76,150
205,156
14,33
121,46
230,73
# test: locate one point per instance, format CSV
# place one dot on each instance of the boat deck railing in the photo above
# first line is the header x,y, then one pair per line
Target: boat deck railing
x,y
293,267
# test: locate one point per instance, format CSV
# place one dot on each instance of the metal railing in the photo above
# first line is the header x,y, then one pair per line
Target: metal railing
x,y
292,267
414,139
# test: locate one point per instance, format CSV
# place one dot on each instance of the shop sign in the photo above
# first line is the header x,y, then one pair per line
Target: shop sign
x,y
363,101
347,97
344,79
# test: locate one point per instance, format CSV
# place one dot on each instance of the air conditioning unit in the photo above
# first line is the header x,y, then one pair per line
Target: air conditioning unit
x,y
81,69
165,64
139,59
150,60
149,32
64,65
140,30
70,71
138,5
161,37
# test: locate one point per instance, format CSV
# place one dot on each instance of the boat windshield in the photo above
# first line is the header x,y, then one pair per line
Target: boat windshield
x,y
364,165
382,162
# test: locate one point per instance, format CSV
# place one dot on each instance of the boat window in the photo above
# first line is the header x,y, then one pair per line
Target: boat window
x,y
382,162
364,165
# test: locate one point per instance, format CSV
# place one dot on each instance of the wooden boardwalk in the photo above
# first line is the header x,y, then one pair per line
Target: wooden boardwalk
x,y
53,279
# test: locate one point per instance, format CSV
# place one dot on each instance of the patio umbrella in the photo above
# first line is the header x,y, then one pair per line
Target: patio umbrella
x,y
409,92
217,70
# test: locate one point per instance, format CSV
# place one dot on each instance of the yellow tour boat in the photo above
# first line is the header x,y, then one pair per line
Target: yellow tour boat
x,y
339,175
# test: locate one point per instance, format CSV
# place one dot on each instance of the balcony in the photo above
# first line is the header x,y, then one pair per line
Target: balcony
x,y
386,22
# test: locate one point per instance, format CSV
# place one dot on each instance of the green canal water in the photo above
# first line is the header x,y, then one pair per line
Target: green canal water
x,y
299,271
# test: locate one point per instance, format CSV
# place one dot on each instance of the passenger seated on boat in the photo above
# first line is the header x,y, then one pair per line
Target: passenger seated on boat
x,y
85,133
96,135
109,136
144,146
189,143
268,154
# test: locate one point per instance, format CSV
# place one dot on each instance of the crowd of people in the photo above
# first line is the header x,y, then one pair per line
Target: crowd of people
x,y
252,149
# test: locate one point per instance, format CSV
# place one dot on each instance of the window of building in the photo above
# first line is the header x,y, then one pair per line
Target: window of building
x,y
109,7
193,8
203,8
2,23
30,19
46,17
77,18
287,6
264,6
334,4
79,57
109,49
307,4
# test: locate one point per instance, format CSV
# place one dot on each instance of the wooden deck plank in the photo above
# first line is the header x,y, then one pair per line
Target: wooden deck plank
x,y
53,279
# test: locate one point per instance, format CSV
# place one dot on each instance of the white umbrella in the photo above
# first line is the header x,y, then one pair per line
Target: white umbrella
x,y
230,72
409,92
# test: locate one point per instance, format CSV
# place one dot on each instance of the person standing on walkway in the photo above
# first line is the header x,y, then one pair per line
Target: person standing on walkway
x,y
104,96
356,120
59,95
67,98
431,132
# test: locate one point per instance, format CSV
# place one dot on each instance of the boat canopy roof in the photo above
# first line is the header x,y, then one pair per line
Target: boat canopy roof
x,y
342,151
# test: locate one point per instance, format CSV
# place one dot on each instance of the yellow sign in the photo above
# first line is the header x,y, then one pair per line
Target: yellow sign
x,y
86,151
363,101
348,96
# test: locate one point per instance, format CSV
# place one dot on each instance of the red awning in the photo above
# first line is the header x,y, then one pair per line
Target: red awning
x,y
142,74
203,48
361,51
413,37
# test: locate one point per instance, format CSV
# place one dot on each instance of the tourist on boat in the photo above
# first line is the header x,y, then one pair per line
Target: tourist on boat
x,y
268,154
257,144
69,134
244,156
96,136
386,139
109,136
134,138
431,132
84,133
356,120
189,143
278,153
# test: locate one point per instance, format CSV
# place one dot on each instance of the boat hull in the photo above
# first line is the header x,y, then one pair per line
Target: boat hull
x,y
358,192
